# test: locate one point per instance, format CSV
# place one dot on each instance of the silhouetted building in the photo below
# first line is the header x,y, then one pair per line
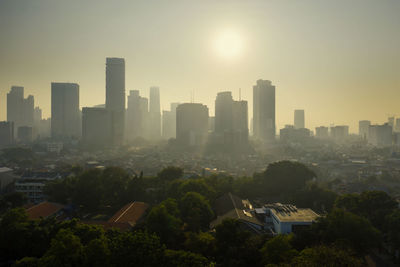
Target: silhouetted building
x,y
169,122
264,111
191,124
25,134
154,114
340,132
363,128
6,133
115,97
292,134
397,126
380,135
96,127
137,115
391,122
299,121
322,132
231,120
20,110
211,124
65,114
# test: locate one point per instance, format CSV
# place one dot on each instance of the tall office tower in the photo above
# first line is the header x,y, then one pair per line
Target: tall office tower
x,y
380,135
397,126
134,116
96,127
191,124
20,110
154,113
65,114
363,127
37,115
169,122
25,134
299,119
264,111
6,133
322,132
223,112
391,121
115,97
340,132
240,121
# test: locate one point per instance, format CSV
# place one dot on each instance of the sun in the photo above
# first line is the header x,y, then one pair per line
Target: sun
x,y
229,44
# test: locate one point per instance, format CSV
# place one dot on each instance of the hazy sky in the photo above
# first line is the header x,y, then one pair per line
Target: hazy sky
x,y
339,60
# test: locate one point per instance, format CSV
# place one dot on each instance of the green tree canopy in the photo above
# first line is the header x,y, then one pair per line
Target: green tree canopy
x,y
196,211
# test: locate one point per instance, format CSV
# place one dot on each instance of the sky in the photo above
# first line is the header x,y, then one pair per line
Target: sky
x,y
338,60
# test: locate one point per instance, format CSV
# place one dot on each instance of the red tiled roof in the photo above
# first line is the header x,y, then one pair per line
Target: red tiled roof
x,y
130,213
43,209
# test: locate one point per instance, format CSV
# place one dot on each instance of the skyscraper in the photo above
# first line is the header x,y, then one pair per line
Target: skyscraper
x,y
223,112
20,110
264,111
65,114
191,124
363,128
96,126
154,113
115,97
169,122
6,133
136,115
299,119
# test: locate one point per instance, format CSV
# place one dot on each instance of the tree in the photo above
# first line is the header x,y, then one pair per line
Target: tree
x,y
314,197
181,258
65,250
325,256
347,229
136,249
164,224
97,253
285,177
392,226
202,243
12,200
196,211
278,250
170,173
373,205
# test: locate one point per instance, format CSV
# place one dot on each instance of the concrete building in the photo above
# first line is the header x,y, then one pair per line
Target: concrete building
x,y
191,124
380,135
286,218
7,178
397,126
322,132
115,97
65,114
299,120
231,120
363,128
96,127
154,114
20,110
292,134
264,111
25,134
340,132
6,133
169,122
137,116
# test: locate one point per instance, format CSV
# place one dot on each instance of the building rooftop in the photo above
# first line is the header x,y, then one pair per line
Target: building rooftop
x,y
289,213
5,169
130,213
43,210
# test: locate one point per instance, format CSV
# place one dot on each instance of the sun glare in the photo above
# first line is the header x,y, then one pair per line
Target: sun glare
x,y
229,44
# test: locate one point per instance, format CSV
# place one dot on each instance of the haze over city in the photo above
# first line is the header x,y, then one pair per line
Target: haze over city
x,y
338,60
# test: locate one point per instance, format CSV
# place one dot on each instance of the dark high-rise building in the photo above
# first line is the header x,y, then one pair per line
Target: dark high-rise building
x,y
340,132
264,111
322,132
240,121
20,110
25,134
169,122
380,135
154,113
96,126
6,133
223,112
137,114
115,97
363,128
191,124
65,114
299,119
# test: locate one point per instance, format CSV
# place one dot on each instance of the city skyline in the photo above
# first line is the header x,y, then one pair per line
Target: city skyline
x,y
342,56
